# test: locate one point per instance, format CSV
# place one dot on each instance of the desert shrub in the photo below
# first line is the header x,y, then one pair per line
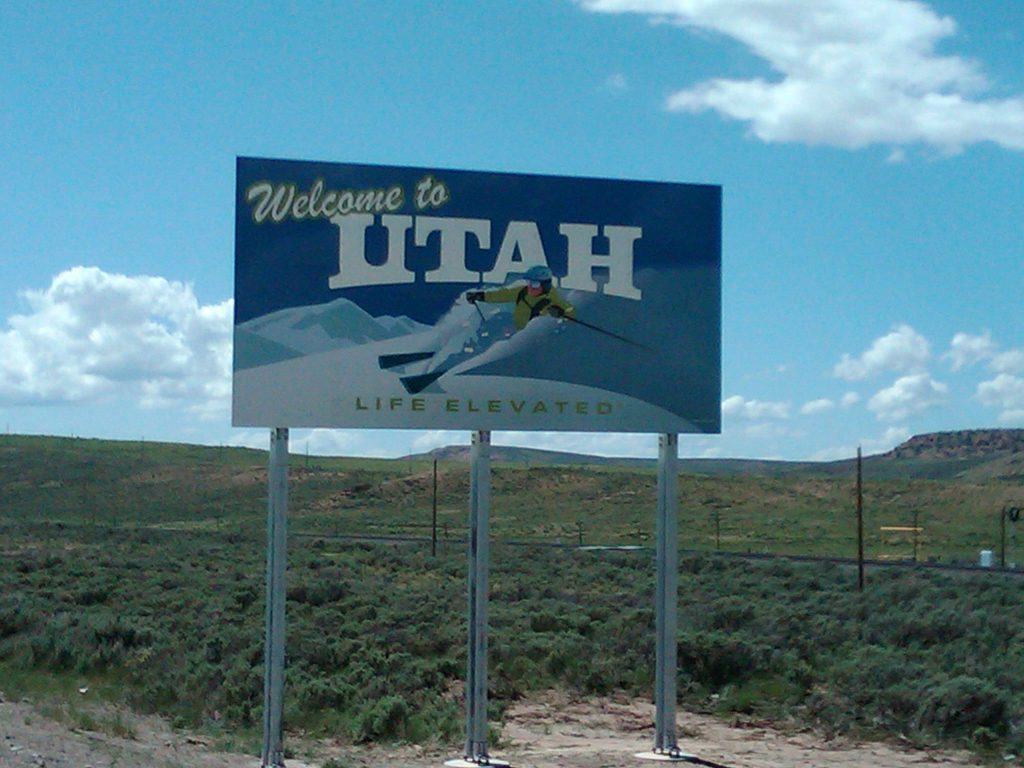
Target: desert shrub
x,y
16,615
870,674
960,706
762,694
242,692
545,621
716,658
320,591
382,720
376,634
54,652
730,614
438,719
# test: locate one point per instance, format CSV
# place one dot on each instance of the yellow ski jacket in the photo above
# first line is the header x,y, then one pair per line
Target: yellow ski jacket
x,y
528,307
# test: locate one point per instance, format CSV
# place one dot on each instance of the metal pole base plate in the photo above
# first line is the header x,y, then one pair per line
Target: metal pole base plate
x,y
464,762
667,756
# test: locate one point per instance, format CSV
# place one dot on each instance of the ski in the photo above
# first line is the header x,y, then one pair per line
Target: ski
x,y
394,361
416,384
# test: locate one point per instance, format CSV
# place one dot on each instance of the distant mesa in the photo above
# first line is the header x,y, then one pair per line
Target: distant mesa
x,y
968,443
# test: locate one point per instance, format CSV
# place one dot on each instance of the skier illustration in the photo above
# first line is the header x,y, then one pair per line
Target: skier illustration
x,y
462,334
538,297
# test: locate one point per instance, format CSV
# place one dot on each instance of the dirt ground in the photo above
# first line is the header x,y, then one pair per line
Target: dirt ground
x,y
544,732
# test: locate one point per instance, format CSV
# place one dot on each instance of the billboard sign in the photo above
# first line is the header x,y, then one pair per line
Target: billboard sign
x,y
423,298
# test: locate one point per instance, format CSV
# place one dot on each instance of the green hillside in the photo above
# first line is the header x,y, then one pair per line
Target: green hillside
x,y
771,508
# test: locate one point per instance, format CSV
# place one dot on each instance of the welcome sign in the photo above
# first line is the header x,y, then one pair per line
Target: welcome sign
x,y
396,297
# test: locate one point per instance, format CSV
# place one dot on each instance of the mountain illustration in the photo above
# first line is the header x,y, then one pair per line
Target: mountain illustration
x,y
300,331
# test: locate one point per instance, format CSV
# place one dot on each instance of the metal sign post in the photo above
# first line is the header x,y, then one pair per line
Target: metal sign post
x,y
273,649
666,596
475,753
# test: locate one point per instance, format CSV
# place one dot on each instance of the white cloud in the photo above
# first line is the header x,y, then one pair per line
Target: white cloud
x,y
769,430
1005,392
869,446
896,156
738,407
252,438
888,440
904,349
329,442
1011,361
713,452
820,405
437,438
908,395
624,444
967,349
1012,418
850,73
93,336
616,82
849,400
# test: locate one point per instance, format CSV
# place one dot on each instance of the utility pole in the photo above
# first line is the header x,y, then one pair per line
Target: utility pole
x,y
860,521
917,531
1002,537
433,517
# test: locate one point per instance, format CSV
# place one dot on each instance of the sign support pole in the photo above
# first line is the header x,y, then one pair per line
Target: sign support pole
x,y
666,748
475,753
273,649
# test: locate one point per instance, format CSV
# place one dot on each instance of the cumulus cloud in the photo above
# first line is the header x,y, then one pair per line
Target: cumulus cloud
x,y
1005,392
625,444
92,335
616,82
903,350
437,438
739,407
1011,361
821,405
883,443
967,349
848,73
849,400
770,430
908,395
330,442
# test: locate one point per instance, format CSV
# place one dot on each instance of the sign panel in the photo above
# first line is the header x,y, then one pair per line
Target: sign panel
x,y
395,297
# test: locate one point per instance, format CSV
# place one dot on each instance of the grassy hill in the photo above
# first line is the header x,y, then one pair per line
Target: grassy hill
x,y
773,508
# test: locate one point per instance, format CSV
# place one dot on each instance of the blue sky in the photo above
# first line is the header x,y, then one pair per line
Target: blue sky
x,y
871,154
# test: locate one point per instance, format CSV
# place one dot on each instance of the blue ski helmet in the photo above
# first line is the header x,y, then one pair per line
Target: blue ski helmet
x,y
538,273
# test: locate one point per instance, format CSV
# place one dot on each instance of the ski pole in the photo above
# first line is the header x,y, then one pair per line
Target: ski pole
x,y
482,318
607,333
